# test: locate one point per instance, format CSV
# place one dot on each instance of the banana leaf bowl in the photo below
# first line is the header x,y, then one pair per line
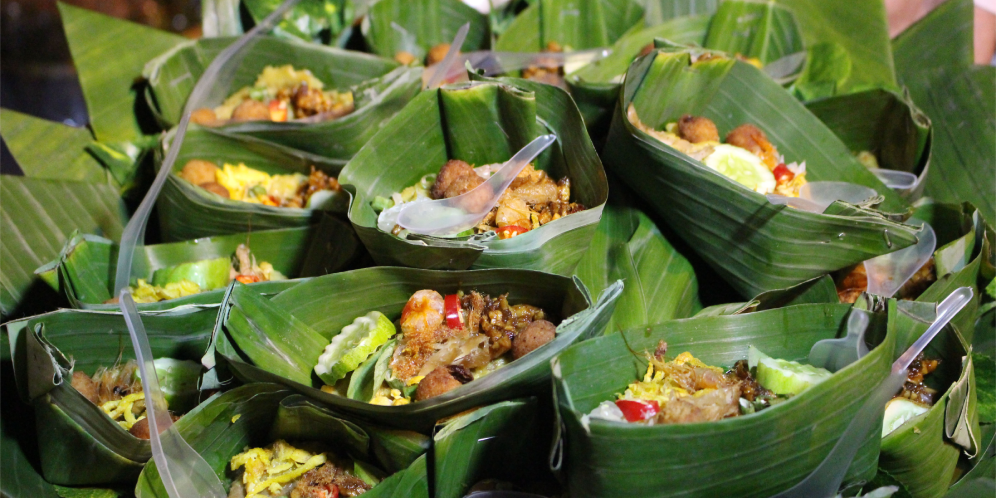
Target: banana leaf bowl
x,y
85,269
77,442
755,245
256,415
280,339
480,122
755,455
415,26
187,211
381,88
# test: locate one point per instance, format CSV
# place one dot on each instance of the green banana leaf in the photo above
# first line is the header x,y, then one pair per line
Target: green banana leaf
x,y
658,11
765,31
279,340
820,290
38,216
923,453
754,244
756,455
317,21
87,264
573,24
78,443
256,415
109,55
221,18
481,123
415,26
189,212
660,283
516,438
885,123
50,150
381,87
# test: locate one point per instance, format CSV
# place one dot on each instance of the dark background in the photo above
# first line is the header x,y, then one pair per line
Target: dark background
x,y
37,76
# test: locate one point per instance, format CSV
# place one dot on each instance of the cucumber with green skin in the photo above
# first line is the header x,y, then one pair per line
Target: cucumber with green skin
x,y
783,376
208,274
353,346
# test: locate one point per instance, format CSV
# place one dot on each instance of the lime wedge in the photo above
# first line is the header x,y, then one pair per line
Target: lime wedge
x,y
898,411
742,167
208,274
353,346
783,376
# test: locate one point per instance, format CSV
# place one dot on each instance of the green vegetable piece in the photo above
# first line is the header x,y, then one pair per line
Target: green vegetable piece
x,y
783,376
368,473
898,411
208,274
353,346
742,167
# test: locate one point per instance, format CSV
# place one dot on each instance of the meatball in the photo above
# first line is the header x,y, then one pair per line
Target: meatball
x,y
456,177
697,129
532,337
141,429
437,53
199,172
441,381
751,138
251,110
216,188
86,386
204,117
405,58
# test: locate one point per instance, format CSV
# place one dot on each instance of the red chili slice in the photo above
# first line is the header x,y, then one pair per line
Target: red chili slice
x,y
635,411
451,307
782,173
511,231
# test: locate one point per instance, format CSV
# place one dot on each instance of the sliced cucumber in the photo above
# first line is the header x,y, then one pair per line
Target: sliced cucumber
x,y
742,167
208,274
353,346
783,376
898,411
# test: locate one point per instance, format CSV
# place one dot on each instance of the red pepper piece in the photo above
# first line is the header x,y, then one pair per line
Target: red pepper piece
x,y
782,173
636,411
451,308
511,231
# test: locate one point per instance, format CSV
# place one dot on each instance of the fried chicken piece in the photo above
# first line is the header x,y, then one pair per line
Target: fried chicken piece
x,y
751,138
512,211
532,337
251,110
310,102
455,177
441,381
852,284
437,53
86,386
697,129
199,172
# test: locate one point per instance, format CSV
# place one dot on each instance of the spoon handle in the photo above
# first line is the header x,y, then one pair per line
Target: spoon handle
x,y
946,311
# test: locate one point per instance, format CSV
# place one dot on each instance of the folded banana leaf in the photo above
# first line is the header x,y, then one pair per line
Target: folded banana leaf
x,y
415,26
46,149
317,21
78,443
480,123
507,443
280,340
754,244
923,453
572,24
380,87
188,212
754,455
660,283
258,414
885,123
87,265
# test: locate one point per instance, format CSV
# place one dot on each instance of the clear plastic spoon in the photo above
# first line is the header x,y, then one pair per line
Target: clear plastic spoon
x,y
888,272
898,180
816,197
446,66
183,471
835,354
826,479
493,63
457,214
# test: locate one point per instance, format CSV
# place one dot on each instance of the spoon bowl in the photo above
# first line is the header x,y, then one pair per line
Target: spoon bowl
x,y
888,272
447,217
816,197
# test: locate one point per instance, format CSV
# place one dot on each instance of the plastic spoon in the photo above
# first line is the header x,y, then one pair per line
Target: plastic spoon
x,y
826,479
898,180
835,354
441,70
816,197
463,212
888,272
183,471
493,63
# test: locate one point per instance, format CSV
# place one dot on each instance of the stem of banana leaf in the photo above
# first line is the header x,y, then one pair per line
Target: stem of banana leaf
x,y
443,68
134,232
826,479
